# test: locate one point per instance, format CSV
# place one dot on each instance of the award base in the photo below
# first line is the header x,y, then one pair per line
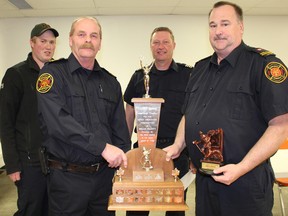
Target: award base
x,y
157,190
208,167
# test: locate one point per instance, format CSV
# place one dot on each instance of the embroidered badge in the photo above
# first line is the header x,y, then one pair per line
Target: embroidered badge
x,y
276,72
44,83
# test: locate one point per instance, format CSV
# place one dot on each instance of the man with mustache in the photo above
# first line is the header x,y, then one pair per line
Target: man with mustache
x,y
242,90
83,121
20,131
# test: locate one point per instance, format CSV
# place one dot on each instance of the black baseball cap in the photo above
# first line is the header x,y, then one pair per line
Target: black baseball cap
x,y
39,29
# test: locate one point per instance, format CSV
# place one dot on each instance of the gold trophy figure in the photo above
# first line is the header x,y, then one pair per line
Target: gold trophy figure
x,y
145,160
146,71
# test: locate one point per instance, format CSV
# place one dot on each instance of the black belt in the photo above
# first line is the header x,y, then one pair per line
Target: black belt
x,y
74,167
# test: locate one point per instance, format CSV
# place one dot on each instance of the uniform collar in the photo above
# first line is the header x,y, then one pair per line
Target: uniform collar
x,y
32,63
75,65
173,66
232,58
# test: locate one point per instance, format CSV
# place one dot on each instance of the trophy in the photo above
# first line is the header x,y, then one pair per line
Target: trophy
x,y
149,182
146,70
211,146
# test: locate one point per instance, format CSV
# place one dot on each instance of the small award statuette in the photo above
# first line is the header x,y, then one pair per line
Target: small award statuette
x,y
211,146
175,174
146,70
145,159
120,173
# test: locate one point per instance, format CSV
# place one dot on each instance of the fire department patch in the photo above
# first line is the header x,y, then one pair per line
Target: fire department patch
x,y
44,83
276,72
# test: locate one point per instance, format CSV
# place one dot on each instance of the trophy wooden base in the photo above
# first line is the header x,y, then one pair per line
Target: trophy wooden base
x,y
147,195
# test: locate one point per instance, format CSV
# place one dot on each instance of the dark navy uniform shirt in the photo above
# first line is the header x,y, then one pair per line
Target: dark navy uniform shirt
x,y
241,95
80,111
169,85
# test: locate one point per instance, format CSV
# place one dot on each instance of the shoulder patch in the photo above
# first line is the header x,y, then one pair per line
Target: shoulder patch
x,y
262,52
275,72
44,83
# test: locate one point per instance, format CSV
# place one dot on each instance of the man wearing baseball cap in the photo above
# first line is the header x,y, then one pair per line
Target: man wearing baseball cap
x,y
19,128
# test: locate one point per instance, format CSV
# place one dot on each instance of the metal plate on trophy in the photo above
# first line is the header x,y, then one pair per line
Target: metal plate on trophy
x,y
147,111
211,146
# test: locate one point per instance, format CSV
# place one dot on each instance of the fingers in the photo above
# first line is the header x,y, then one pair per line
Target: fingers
x,y
117,159
15,176
125,161
168,156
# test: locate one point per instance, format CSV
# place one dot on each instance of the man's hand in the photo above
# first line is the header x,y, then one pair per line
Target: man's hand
x,y
15,176
173,151
227,174
114,156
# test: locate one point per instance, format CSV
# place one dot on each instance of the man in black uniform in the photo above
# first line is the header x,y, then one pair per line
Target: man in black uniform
x,y
168,80
242,90
20,131
83,121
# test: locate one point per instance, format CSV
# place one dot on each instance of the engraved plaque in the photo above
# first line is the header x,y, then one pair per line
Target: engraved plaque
x,y
147,111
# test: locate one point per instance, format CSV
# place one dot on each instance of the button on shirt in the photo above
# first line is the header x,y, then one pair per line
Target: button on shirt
x,y
235,96
81,112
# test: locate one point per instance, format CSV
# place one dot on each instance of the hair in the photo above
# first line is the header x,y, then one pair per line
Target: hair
x,y
238,9
166,29
83,18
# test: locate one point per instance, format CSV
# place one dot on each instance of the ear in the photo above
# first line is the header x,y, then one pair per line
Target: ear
x,y
31,43
70,41
242,27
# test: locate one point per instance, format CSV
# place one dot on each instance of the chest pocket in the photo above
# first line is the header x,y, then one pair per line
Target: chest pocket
x,y
190,96
107,102
76,101
241,101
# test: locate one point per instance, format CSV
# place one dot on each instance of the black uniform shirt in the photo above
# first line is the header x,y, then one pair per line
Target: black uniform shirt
x,y
20,132
81,111
169,85
236,96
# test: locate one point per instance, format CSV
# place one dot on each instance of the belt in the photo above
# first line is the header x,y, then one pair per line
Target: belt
x,y
74,167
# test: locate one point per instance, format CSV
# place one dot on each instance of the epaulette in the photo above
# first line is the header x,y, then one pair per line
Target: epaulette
x,y
185,65
203,60
108,72
261,51
56,61
139,70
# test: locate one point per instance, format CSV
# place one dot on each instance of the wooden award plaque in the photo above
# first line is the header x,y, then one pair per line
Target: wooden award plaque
x,y
149,182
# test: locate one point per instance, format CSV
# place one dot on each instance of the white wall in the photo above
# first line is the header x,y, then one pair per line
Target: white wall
x,y
126,39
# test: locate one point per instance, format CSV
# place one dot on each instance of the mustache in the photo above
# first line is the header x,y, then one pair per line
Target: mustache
x,y
219,38
87,46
